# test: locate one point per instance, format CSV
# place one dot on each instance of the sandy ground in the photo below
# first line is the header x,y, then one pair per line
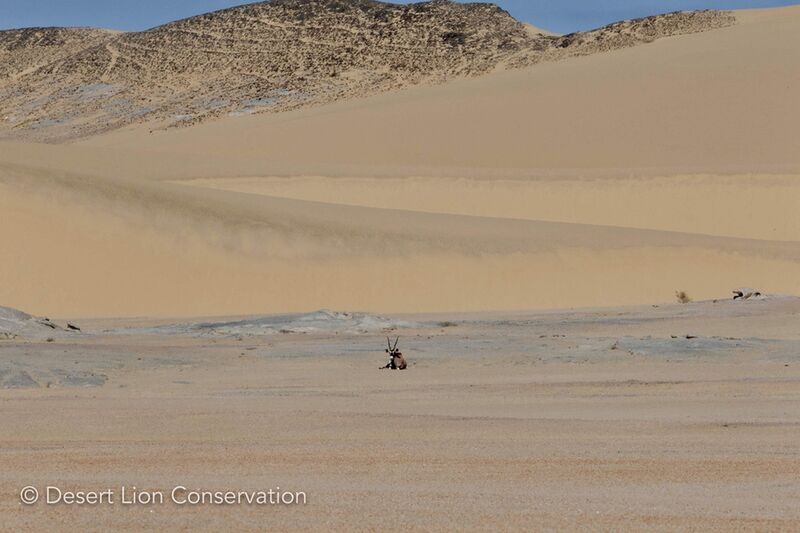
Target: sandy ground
x,y
597,419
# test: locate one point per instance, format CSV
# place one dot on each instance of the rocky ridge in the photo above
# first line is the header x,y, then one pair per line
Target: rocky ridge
x,y
60,84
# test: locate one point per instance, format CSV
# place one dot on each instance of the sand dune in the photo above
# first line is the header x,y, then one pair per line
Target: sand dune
x,y
63,83
616,178
137,248
718,101
752,207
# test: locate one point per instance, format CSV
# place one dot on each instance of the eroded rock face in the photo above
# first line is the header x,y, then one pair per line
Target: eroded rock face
x,y
625,34
23,367
22,51
323,321
15,323
58,83
12,322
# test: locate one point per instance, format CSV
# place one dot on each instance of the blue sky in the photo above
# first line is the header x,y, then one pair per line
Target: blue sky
x,y
557,15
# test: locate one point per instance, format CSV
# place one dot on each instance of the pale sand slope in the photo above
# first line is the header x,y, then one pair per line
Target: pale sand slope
x,y
749,206
132,248
96,228
513,422
722,100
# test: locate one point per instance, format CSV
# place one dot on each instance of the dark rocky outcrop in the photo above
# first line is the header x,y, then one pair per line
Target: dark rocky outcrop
x,y
58,83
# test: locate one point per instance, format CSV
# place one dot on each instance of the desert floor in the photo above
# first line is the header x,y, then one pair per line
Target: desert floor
x,y
597,419
467,212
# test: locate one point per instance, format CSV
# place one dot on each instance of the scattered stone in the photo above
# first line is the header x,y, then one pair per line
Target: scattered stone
x,y
81,379
746,293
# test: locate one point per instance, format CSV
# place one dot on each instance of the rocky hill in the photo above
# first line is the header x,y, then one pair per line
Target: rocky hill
x,y
27,50
58,84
